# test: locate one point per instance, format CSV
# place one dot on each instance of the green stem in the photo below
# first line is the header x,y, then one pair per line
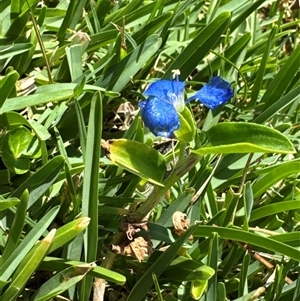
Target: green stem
x,y
183,166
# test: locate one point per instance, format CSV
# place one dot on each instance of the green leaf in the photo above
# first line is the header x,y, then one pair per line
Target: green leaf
x,y
25,270
187,130
261,71
58,264
117,76
62,281
249,238
7,84
22,102
241,137
16,145
138,158
143,285
8,51
16,227
196,50
26,245
198,288
272,209
7,203
282,79
40,181
90,191
68,231
272,177
18,141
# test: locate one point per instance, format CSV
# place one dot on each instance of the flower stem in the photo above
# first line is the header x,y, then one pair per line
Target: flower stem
x,y
183,166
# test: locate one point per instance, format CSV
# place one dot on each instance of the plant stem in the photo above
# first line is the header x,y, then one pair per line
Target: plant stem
x,y
183,166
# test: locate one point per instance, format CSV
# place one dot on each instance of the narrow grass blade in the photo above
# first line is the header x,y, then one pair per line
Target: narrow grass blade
x,y
90,188
16,227
29,265
145,282
249,238
27,243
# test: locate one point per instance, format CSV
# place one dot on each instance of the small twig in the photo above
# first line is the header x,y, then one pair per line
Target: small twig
x,y
41,44
262,260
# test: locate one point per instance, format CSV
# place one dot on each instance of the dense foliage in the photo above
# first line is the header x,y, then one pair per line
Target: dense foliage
x,y
94,206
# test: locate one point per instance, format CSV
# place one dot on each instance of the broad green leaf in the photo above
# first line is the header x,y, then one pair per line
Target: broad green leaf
x,y
11,119
198,287
187,130
18,145
18,141
241,137
7,203
182,273
138,158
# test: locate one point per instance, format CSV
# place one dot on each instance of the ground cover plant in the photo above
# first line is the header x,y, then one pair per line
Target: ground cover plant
x,y
124,175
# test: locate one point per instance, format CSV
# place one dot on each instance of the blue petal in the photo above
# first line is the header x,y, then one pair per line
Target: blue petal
x,y
159,116
167,90
215,93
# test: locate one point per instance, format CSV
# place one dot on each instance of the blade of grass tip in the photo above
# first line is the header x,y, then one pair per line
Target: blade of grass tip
x,y
90,188
30,265
27,243
243,284
156,284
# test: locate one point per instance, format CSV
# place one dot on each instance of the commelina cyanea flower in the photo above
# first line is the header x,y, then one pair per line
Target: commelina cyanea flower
x,y
166,98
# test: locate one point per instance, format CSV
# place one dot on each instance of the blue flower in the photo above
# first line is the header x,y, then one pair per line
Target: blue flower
x,y
215,93
166,98
159,116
